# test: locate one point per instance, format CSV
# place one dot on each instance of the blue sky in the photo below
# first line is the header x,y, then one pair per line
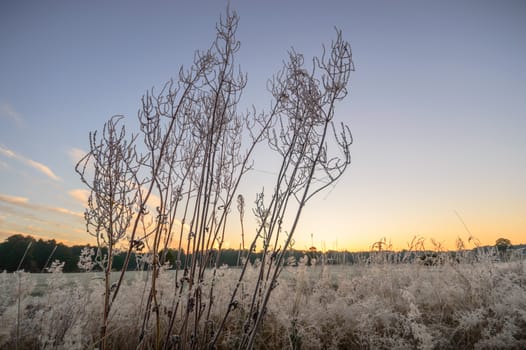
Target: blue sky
x,y
437,106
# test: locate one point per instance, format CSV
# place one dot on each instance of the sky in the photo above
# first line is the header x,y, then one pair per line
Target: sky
x,y
437,108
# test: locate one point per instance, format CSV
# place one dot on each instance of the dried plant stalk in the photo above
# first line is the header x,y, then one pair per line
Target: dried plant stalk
x,y
184,181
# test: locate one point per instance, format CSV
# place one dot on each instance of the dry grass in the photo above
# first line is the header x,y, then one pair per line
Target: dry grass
x,y
382,306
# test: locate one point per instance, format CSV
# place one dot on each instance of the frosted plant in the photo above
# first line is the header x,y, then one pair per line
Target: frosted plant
x,y
56,266
350,307
110,170
178,181
419,330
86,262
291,261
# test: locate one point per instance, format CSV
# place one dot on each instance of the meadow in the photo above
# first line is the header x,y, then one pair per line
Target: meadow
x,y
377,304
167,188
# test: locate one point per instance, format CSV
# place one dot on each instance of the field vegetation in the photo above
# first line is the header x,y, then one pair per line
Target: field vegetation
x,y
383,302
175,184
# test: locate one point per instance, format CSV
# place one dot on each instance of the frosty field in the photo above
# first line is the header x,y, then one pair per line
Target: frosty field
x,y
478,305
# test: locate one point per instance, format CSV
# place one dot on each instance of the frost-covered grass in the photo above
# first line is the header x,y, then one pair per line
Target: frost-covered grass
x,y
369,306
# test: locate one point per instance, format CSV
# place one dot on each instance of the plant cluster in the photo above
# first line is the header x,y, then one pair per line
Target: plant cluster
x,y
457,305
176,181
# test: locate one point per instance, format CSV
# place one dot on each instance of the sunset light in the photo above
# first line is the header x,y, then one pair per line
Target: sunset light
x,y
436,109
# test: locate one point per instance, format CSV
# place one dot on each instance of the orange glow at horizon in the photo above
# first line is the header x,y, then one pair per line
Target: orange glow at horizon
x,y
321,246
446,235
438,139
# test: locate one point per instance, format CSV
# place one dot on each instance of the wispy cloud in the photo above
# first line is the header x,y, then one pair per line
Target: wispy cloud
x,y
7,152
23,202
67,211
76,154
8,112
43,169
30,162
80,195
13,199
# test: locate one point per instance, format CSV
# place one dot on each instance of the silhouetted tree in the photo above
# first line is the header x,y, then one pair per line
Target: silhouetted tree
x,y
503,246
12,251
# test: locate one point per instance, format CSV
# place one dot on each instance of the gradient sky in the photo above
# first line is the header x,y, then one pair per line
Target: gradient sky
x,y
437,107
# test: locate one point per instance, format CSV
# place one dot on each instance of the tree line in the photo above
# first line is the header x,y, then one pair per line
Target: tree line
x,y
26,253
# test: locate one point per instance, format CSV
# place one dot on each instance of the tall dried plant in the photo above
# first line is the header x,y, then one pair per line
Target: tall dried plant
x,y
196,147
110,170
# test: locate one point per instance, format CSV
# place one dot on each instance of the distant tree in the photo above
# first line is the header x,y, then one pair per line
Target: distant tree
x,y
65,254
503,246
43,252
12,251
228,257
